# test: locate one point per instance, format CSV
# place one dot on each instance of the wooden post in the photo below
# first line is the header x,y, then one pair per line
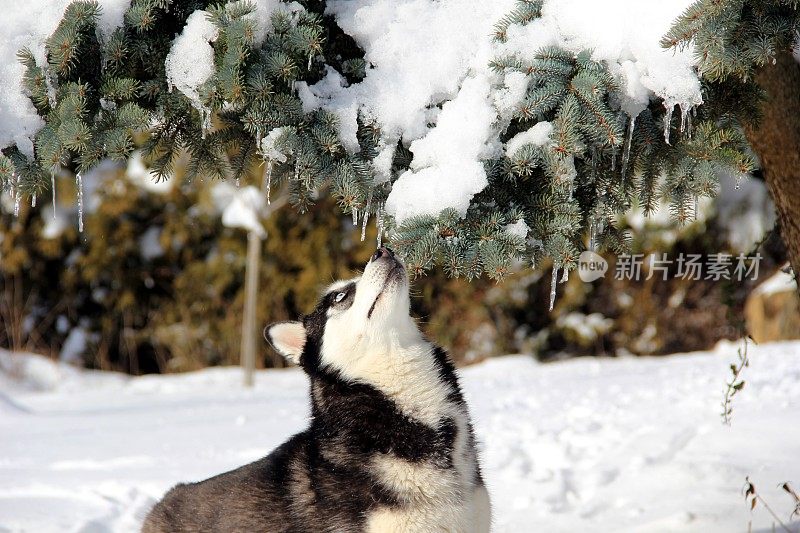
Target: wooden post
x,y
249,333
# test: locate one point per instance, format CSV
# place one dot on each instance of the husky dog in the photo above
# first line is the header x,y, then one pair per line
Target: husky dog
x,y
390,447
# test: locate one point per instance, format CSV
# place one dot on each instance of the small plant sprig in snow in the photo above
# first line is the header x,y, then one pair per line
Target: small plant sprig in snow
x,y
795,497
736,383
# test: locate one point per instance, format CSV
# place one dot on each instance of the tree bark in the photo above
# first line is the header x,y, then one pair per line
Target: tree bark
x,y
776,141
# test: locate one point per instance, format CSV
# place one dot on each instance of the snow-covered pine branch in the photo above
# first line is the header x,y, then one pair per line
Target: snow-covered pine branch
x,y
450,120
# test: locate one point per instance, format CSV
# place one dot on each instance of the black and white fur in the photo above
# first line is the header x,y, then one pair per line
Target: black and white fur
x,y
390,447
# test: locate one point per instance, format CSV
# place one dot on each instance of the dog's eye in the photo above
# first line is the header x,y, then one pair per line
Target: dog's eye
x,y
341,299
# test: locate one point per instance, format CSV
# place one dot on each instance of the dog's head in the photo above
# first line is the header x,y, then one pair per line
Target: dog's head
x,y
353,320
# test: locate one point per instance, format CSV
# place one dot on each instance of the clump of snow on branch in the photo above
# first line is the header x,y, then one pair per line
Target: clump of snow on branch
x,y
538,135
382,163
421,51
271,145
585,329
29,24
55,222
239,206
446,169
781,281
190,62
625,34
506,98
141,176
261,15
150,243
519,229
112,15
332,92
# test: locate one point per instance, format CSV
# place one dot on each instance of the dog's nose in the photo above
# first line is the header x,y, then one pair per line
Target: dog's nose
x,y
383,251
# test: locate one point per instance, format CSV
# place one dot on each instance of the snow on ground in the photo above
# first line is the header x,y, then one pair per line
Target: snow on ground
x,y
583,445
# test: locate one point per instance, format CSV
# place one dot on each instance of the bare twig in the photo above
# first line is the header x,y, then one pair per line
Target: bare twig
x,y
753,497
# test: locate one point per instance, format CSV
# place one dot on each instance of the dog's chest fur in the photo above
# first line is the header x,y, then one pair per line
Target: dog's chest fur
x,y
404,421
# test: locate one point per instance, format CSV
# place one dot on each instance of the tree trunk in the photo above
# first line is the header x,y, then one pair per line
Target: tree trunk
x,y
776,140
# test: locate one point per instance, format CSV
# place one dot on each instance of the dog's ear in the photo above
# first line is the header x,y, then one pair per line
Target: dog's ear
x,y
288,339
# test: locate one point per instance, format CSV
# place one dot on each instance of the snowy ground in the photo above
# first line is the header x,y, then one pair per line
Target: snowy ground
x,y
583,445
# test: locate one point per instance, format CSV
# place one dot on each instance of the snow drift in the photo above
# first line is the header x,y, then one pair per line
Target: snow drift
x,y
632,444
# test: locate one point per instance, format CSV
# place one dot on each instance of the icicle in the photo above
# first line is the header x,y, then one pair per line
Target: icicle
x,y
238,183
592,234
565,275
79,183
365,217
686,118
364,220
626,153
17,194
205,114
267,186
33,200
355,216
613,159
310,57
553,281
601,227
695,207
259,139
689,124
682,107
53,189
668,120
379,224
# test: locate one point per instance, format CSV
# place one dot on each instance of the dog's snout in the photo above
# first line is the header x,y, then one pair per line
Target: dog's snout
x,y
383,251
